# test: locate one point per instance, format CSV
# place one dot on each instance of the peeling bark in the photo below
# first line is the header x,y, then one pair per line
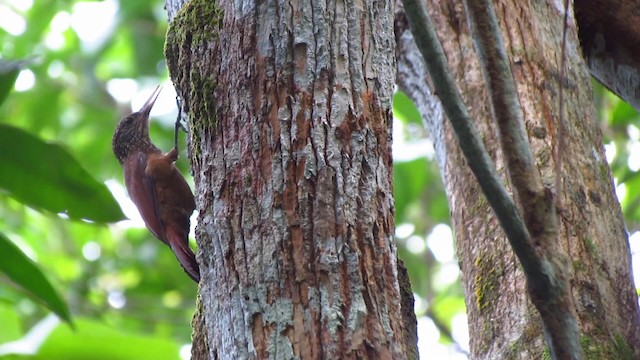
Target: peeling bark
x,y
290,141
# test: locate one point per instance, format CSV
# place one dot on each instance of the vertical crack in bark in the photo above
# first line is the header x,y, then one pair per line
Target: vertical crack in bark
x,y
354,42
318,323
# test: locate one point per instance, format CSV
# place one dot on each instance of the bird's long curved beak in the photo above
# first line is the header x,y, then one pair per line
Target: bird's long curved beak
x,y
146,108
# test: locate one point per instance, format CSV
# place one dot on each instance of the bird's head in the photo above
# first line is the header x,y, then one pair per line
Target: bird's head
x,y
132,132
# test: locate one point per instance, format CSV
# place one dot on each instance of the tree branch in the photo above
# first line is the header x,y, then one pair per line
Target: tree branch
x,y
504,98
548,287
468,138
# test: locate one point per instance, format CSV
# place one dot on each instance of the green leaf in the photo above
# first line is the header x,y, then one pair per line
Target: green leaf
x,y
404,109
45,176
622,113
10,320
413,177
9,70
95,341
26,275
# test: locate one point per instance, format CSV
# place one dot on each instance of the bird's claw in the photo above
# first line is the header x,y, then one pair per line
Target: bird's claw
x,y
178,124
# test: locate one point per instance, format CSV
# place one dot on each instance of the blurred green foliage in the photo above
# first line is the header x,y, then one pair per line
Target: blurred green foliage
x,y
45,177
125,288
421,208
94,341
620,125
26,276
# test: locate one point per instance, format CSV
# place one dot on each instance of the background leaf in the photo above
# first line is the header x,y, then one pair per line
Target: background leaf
x,y
25,274
89,70
95,341
9,70
404,109
45,176
10,320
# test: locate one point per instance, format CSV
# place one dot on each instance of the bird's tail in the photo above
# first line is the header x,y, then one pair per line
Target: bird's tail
x,y
184,254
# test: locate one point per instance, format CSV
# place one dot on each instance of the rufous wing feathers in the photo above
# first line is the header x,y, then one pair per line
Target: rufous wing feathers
x,y
184,254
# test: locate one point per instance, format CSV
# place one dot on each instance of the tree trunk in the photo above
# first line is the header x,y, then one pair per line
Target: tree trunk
x,y
290,142
502,322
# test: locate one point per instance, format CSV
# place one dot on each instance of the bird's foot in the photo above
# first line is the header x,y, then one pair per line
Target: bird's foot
x,y
179,124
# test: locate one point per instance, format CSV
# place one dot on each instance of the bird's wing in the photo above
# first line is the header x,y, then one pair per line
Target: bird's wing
x,y
141,189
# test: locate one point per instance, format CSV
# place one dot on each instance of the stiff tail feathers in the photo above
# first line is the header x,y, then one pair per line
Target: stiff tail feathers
x,y
184,254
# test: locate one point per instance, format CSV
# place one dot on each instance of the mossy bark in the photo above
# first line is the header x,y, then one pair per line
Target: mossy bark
x,y
289,107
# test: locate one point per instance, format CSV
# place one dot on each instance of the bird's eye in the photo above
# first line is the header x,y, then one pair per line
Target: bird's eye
x,y
128,120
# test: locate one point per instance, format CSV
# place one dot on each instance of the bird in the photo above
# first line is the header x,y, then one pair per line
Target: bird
x,y
154,184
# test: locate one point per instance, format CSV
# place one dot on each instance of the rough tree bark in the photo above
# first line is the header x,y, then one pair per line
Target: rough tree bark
x,y
503,323
290,142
